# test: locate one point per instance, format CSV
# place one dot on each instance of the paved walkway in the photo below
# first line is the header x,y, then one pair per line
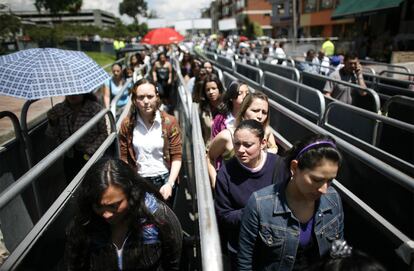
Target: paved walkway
x,y
36,111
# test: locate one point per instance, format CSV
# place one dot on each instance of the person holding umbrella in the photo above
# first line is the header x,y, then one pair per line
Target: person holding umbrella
x,y
66,118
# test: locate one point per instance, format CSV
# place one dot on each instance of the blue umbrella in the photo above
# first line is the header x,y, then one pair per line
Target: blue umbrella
x,y
46,72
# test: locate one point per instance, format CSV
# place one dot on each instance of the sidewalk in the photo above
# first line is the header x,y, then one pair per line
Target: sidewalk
x,y
36,111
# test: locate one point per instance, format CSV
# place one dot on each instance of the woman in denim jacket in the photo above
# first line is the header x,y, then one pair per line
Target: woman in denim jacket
x,y
289,225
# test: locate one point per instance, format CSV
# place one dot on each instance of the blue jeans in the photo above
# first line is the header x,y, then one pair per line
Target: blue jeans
x,y
158,181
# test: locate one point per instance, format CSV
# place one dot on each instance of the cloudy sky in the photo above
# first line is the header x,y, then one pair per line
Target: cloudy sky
x,y
168,9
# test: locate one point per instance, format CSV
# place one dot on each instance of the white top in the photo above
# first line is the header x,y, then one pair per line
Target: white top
x,y
279,53
119,252
148,145
229,121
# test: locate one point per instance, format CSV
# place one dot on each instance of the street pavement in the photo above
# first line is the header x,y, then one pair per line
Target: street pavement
x,y
36,112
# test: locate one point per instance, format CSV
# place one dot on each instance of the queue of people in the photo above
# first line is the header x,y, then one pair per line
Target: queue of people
x,y
274,212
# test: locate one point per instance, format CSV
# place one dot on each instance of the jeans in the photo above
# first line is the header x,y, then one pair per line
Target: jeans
x,y
158,181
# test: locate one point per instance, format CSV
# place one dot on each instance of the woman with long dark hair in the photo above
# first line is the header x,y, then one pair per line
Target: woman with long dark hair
x,y
162,76
121,223
210,99
229,107
290,225
113,86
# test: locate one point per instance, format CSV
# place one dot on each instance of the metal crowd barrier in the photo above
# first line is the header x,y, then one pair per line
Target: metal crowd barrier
x,y
211,257
400,108
364,174
31,176
228,78
255,75
285,71
305,96
389,86
410,76
53,215
209,236
356,174
364,130
211,56
386,65
220,75
226,64
369,102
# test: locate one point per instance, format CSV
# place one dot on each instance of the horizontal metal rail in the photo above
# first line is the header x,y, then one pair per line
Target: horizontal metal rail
x,y
17,187
397,176
406,246
408,101
301,87
378,78
370,91
294,72
368,62
394,122
258,72
17,256
397,72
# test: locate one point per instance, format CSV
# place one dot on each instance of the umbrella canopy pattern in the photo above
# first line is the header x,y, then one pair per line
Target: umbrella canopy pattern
x,y
46,72
162,36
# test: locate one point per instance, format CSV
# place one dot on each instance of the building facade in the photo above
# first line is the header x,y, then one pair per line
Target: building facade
x,y
93,17
316,19
259,11
282,19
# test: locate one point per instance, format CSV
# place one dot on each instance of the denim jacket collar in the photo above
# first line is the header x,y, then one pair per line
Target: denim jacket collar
x,y
280,206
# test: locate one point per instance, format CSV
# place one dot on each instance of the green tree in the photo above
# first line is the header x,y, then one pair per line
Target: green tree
x,y
257,29
152,14
9,25
56,6
137,29
132,8
251,29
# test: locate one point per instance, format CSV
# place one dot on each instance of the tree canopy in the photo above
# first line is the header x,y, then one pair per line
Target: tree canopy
x,y
56,6
9,25
132,8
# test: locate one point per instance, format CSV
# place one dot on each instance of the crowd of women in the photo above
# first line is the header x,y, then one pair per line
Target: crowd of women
x,y
274,212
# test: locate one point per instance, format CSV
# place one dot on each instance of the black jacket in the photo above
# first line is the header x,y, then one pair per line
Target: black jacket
x,y
158,248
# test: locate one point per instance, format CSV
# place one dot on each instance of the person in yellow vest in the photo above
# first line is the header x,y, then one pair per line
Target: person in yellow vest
x,y
328,47
117,47
121,44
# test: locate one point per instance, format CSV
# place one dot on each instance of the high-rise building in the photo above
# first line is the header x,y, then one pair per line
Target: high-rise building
x,y
94,17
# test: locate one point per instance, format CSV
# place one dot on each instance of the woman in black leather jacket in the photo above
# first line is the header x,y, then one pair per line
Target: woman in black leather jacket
x,y
121,224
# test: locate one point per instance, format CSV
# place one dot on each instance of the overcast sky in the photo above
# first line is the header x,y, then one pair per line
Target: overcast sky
x,y
168,9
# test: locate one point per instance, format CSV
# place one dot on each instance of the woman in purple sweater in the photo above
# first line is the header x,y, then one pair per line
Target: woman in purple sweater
x,y
251,169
